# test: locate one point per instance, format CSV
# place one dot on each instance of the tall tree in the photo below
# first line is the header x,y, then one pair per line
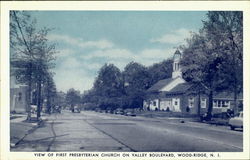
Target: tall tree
x,y
31,54
213,57
200,65
21,50
225,32
50,93
136,80
73,98
108,85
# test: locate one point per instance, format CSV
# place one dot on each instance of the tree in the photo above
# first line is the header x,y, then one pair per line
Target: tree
x,y
73,98
200,65
225,31
213,57
108,86
31,54
159,71
21,50
50,93
136,80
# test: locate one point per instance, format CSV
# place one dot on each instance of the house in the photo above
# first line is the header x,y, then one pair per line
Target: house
x,y
18,97
175,94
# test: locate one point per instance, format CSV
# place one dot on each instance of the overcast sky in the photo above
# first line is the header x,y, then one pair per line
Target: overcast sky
x,y
88,39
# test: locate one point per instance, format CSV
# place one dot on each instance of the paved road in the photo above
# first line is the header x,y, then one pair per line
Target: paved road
x,y
91,131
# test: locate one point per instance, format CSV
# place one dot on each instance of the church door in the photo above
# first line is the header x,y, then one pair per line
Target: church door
x,y
166,103
176,104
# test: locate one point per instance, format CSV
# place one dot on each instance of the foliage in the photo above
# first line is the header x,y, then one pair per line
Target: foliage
x,y
136,79
32,55
213,57
115,89
109,81
159,71
73,97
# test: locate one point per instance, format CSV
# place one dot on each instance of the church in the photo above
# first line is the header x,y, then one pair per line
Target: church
x,y
176,95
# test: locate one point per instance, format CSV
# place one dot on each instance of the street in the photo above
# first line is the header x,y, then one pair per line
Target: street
x,y
92,131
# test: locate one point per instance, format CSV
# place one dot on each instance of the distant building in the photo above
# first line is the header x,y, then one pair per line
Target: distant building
x,y
175,94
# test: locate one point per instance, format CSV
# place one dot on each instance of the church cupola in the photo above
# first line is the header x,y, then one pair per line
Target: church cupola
x,y
176,64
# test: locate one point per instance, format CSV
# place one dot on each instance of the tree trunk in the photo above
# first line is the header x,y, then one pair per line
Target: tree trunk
x,y
39,100
199,103
29,102
236,110
29,94
48,108
210,103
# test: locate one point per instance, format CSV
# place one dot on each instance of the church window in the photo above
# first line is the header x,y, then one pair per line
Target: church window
x,y
154,103
191,102
176,103
203,102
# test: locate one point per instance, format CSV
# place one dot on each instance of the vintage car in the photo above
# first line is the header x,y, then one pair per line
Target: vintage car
x,y
129,112
76,109
119,111
236,122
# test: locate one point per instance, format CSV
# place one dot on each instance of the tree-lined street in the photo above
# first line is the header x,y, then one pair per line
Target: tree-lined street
x,y
71,70
93,131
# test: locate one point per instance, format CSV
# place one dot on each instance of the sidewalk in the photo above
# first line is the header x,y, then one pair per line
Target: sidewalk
x,y
19,128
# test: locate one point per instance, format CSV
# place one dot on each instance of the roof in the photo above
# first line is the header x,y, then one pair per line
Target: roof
x,y
227,95
160,84
180,88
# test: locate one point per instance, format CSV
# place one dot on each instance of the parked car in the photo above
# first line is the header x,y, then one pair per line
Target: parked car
x,y
205,117
76,109
33,109
97,109
119,111
56,109
237,121
212,117
129,112
109,110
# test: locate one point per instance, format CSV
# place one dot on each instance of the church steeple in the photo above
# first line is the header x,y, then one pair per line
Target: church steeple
x,y
176,64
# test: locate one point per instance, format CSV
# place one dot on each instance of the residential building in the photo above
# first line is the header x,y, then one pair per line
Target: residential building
x,y
18,97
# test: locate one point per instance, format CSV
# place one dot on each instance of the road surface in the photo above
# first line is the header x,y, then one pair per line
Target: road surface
x,y
92,131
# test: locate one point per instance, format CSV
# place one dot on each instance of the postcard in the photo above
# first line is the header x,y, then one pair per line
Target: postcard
x,y
125,80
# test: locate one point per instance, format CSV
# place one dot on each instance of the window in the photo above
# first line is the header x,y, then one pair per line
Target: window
x,y
176,103
221,103
226,104
191,102
154,103
215,103
203,102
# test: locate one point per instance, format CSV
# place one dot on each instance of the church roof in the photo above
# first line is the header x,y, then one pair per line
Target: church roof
x,y
160,84
180,88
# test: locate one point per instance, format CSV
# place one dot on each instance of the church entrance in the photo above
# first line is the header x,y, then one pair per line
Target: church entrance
x,y
176,104
166,104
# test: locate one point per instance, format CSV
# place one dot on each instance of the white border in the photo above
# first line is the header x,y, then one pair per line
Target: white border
x,y
116,5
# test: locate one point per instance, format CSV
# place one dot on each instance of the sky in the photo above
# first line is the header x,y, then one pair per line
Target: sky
x,y
86,40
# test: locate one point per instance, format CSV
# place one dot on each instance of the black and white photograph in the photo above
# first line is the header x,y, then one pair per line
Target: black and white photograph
x,y
156,82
